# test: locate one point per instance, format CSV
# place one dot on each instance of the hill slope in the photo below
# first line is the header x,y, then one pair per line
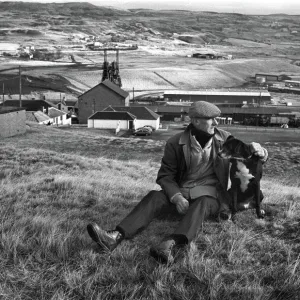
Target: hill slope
x,y
54,182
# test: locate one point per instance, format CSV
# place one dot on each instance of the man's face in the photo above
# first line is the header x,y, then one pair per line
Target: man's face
x,y
205,124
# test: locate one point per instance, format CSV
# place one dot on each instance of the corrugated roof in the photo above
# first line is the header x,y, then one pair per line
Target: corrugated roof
x,y
111,86
112,115
218,93
29,105
41,117
140,112
30,116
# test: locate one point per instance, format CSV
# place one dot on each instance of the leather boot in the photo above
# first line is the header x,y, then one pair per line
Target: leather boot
x,y
163,252
107,240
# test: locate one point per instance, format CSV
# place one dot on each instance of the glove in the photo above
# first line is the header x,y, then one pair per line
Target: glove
x,y
257,150
182,205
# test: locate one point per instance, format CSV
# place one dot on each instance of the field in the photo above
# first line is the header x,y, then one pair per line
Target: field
x,y
54,182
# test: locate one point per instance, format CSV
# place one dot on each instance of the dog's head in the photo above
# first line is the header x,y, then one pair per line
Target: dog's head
x,y
234,148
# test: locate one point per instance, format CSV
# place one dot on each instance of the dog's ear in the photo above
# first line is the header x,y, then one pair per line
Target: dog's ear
x,y
230,138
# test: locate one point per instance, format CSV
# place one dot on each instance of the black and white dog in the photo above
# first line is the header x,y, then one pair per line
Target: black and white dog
x,y
245,176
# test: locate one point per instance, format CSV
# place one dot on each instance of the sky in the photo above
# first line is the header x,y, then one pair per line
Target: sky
x,y
227,6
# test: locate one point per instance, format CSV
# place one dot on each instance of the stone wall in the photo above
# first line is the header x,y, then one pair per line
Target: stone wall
x,y
12,123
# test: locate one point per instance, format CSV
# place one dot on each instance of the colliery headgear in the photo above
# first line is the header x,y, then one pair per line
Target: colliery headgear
x,y
203,109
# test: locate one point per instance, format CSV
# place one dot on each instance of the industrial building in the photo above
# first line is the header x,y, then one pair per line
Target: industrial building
x,y
219,97
99,97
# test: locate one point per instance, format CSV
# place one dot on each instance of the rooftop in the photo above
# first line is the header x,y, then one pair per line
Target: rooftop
x,y
220,93
112,115
140,112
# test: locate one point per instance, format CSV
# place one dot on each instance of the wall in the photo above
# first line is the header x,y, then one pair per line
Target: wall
x,y
12,123
108,124
61,120
97,99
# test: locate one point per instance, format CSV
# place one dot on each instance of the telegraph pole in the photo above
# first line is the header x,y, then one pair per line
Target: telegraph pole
x,y
20,86
3,93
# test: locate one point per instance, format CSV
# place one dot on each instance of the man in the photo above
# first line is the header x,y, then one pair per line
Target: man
x,y
193,179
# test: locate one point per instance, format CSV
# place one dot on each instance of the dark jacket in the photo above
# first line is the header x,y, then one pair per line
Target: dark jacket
x,y
176,161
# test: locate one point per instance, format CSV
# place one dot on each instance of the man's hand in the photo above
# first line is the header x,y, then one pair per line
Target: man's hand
x,y
182,205
257,149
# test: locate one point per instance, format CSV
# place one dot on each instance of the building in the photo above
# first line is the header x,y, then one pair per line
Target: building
x,y
111,120
12,121
269,77
218,97
99,97
59,117
143,115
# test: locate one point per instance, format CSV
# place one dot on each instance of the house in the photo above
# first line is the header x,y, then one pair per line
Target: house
x,y
111,120
59,117
12,121
143,115
67,106
99,97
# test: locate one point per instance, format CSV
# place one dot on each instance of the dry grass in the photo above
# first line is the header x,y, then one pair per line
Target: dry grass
x,y
54,182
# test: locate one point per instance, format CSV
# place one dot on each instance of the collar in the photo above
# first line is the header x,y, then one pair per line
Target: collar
x,y
185,137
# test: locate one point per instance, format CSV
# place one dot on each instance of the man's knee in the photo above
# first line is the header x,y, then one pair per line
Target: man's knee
x,y
155,197
208,204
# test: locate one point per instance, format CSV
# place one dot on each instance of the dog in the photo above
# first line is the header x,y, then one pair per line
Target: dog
x,y
245,175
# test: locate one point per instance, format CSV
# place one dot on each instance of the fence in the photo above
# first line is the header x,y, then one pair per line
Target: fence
x,y
259,128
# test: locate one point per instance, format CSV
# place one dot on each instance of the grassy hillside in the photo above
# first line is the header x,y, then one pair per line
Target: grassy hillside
x,y
54,182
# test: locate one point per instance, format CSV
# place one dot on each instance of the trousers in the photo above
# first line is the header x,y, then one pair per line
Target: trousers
x,y
156,203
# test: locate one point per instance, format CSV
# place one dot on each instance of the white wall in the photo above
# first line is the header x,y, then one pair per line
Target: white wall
x,y
108,124
61,120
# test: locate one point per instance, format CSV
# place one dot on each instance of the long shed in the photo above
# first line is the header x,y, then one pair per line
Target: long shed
x,y
218,97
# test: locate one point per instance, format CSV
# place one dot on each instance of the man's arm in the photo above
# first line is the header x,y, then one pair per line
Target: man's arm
x,y
168,171
166,178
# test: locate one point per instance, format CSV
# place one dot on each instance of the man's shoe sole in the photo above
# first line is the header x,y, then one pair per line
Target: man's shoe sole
x,y
160,257
94,234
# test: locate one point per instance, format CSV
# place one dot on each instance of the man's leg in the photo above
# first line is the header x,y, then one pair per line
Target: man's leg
x,y
200,209
151,206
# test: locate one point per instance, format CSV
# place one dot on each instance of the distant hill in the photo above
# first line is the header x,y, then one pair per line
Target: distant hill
x,y
117,25
78,9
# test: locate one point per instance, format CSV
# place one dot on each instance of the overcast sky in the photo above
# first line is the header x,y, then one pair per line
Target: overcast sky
x,y
236,6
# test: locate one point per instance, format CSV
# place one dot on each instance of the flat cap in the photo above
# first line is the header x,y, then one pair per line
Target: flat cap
x,y
203,109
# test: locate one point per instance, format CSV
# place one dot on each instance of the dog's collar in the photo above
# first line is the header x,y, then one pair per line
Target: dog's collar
x,y
241,159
